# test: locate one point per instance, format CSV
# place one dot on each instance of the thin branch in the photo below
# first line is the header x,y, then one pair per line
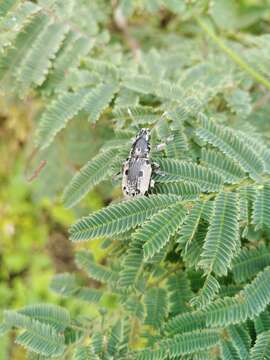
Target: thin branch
x,y
38,170
233,55
122,25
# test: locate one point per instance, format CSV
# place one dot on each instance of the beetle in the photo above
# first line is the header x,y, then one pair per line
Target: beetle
x,y
138,169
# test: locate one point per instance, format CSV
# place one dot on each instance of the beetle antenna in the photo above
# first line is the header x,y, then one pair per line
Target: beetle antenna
x,y
133,118
163,117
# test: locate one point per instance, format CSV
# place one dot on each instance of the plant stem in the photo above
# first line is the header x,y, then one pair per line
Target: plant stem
x,y
233,55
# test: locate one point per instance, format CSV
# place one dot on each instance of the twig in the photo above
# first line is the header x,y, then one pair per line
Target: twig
x,y
233,55
122,25
38,170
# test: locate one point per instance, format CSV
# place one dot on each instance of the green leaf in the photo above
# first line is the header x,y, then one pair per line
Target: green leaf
x,y
7,6
239,102
86,262
139,114
156,306
262,322
53,315
178,145
95,171
4,328
249,262
261,208
206,293
156,232
68,58
57,114
115,338
261,349
64,284
248,303
189,343
241,340
192,252
228,351
191,223
89,295
231,172
98,100
186,322
119,218
175,170
139,83
85,353
179,292
18,15
222,239
231,145
35,65
38,337
131,264
186,190
14,55
43,340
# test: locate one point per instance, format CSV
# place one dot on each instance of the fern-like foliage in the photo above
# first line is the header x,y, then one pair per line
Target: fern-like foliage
x,y
179,292
91,174
53,315
182,273
174,170
155,233
184,189
247,304
189,229
119,218
231,145
156,307
97,101
222,239
249,262
261,349
229,169
37,336
261,215
240,340
85,261
206,293
61,110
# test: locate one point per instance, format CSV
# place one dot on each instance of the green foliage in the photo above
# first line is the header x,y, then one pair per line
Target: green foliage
x,y
92,173
119,218
249,262
155,233
183,272
261,349
156,307
261,213
222,239
174,171
206,293
231,145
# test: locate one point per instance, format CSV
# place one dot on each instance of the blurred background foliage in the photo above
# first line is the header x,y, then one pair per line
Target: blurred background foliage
x,y
33,223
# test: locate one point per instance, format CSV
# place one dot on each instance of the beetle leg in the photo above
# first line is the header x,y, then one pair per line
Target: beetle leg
x,y
156,169
116,177
162,146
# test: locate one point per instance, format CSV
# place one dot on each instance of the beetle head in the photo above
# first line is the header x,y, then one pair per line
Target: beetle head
x,y
141,145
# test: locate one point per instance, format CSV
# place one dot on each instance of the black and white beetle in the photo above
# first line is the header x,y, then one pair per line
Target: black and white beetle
x,y
138,169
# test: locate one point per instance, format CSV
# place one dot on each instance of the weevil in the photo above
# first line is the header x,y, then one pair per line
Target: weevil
x,y
138,168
